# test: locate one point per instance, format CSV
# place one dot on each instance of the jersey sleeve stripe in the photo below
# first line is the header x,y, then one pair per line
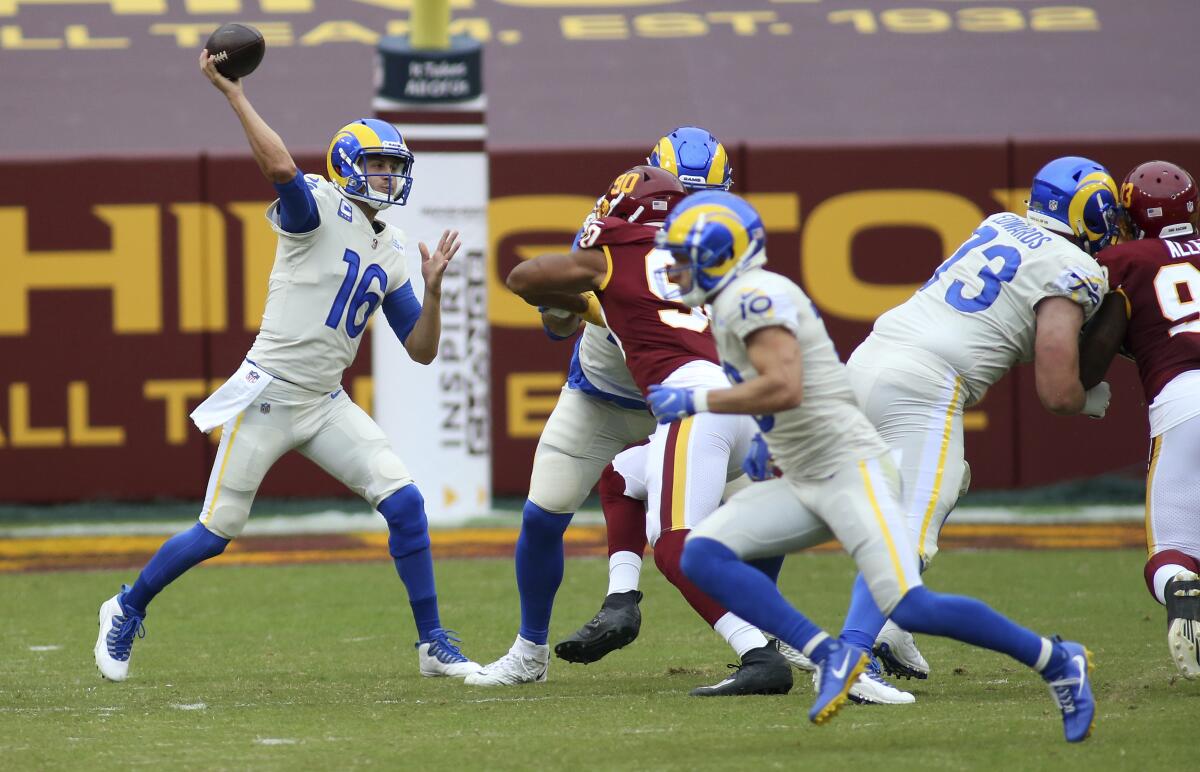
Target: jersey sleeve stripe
x,y
947,426
1155,449
897,566
212,505
608,271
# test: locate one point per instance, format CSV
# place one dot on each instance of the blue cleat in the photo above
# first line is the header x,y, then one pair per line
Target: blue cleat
x,y
835,675
118,627
1071,688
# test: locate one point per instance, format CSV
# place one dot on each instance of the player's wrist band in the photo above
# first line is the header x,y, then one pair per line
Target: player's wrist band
x,y
700,400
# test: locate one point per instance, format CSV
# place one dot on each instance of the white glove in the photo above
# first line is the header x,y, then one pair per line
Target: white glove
x,y
1096,399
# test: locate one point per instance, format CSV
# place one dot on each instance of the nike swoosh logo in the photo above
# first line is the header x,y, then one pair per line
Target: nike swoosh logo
x,y
1081,663
841,672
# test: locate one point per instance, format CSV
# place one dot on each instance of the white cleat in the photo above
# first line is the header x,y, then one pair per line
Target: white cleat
x,y
872,689
114,644
1183,622
439,656
525,663
795,657
898,653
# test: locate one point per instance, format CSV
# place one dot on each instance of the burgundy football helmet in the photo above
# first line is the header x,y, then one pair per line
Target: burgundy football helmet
x,y
643,194
1161,200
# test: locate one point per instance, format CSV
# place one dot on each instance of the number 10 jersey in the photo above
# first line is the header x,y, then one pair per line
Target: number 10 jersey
x,y
977,311
324,286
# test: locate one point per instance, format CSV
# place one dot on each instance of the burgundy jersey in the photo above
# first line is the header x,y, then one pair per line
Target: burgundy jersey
x,y
1160,280
657,335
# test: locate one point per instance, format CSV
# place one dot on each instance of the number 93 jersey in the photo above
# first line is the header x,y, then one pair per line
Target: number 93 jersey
x,y
324,286
827,430
977,311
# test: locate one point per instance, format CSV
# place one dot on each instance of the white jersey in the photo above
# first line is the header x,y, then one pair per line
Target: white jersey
x,y
603,363
324,286
827,429
977,312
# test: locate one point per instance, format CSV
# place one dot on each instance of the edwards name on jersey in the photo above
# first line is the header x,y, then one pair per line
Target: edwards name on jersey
x,y
978,310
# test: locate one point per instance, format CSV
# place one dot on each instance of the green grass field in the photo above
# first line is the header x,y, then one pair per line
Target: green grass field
x,y
312,667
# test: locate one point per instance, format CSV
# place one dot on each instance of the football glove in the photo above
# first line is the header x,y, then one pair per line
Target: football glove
x,y
669,403
758,464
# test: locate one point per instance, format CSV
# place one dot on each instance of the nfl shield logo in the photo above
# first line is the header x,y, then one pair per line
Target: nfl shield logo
x,y
252,376
264,408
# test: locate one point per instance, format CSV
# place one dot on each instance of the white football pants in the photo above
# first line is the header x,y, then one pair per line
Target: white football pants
x,y
858,506
582,436
916,404
328,429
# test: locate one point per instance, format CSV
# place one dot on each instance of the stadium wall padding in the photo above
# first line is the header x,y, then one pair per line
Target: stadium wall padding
x,y
133,286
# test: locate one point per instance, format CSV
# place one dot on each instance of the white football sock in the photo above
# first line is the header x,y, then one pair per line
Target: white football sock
x,y
739,634
624,571
1163,575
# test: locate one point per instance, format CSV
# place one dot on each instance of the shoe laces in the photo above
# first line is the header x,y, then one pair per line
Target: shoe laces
x,y
875,672
1063,691
442,646
120,637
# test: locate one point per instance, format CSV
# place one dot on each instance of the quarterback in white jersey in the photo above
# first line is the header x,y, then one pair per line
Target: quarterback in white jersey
x,y
1018,290
334,265
838,475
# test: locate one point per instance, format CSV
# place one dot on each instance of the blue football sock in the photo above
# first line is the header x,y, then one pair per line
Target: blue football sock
x,y
769,566
408,543
967,620
864,620
176,555
539,561
746,591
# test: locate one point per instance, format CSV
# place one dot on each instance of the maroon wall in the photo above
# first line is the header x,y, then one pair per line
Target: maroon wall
x,y
124,300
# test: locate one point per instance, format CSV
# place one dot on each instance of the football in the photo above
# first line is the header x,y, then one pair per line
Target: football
x,y
236,49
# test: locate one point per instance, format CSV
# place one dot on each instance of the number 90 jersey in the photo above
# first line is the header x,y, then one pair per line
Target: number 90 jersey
x,y
977,311
1160,281
324,286
657,336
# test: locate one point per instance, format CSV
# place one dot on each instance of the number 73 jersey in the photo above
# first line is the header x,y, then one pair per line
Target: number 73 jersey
x,y
1160,282
977,311
657,336
324,286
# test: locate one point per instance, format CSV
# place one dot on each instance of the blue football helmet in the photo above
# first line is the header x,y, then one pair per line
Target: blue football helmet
x,y
694,156
713,236
1077,197
347,159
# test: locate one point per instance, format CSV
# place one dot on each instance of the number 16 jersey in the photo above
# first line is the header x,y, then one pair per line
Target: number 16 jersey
x,y
324,286
977,311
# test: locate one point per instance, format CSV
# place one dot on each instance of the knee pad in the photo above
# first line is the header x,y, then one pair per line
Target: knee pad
x,y
408,528
560,482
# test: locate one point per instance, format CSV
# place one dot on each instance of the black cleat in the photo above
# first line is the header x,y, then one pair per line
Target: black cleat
x,y
615,626
1183,622
763,671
